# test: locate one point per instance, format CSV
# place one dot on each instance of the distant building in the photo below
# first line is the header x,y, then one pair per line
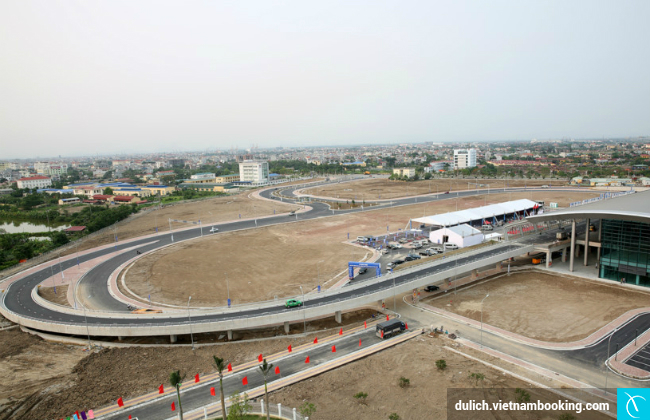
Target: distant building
x,y
37,181
221,179
176,162
254,171
203,178
464,158
404,172
159,189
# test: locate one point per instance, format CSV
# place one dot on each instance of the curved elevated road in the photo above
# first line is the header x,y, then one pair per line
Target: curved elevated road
x,y
19,306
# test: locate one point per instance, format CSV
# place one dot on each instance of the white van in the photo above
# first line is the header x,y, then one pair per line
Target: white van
x,y
416,244
362,239
451,246
487,228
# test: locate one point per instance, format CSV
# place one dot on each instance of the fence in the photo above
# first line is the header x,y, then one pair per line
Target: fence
x,y
603,196
277,411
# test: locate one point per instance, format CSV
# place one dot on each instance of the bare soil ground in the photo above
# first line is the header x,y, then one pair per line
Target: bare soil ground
x,y
382,188
209,211
544,306
426,397
46,380
59,297
274,261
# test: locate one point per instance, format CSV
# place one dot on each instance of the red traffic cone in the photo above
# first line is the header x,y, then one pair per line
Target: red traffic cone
x,y
407,325
307,359
387,318
316,340
341,331
289,348
365,325
333,349
359,342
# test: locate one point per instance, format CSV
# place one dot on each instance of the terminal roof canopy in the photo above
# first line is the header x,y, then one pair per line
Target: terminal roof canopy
x,y
478,213
633,207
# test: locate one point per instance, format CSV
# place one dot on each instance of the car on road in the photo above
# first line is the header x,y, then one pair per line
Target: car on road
x,y
292,303
385,251
214,229
146,311
431,288
393,264
446,192
433,251
293,213
403,241
363,270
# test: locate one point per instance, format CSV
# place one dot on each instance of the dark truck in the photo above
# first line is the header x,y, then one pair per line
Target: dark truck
x,y
392,327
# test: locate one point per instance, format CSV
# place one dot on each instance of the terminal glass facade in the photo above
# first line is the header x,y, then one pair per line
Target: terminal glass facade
x,y
625,252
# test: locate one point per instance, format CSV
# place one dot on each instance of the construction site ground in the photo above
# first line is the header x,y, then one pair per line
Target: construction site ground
x,y
543,306
383,188
270,262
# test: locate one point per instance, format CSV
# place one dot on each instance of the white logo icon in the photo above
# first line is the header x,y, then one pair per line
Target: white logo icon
x,y
631,400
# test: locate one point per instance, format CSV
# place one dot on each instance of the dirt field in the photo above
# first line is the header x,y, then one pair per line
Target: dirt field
x,y
382,188
59,297
426,398
544,306
275,261
212,210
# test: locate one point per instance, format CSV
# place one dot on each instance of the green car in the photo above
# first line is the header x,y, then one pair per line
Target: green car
x,y
292,303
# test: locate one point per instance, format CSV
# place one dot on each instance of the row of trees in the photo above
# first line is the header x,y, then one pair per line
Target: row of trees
x,y
239,404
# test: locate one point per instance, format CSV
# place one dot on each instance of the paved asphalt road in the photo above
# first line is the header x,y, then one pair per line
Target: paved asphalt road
x,y
199,395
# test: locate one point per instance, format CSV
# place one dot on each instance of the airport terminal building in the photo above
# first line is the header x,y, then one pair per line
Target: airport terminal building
x,y
617,232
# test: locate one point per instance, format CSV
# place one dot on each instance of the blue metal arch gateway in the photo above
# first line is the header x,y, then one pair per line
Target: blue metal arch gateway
x,y
353,264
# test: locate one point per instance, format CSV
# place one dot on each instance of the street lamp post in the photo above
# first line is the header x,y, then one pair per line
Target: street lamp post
x,y
227,288
304,311
189,317
394,298
606,368
486,296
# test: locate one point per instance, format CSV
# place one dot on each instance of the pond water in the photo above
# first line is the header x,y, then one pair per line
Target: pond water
x,y
29,227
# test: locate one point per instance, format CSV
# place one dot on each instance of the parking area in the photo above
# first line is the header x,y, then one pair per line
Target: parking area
x,y
641,360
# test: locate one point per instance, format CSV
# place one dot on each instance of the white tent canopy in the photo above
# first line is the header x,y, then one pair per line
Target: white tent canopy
x,y
478,213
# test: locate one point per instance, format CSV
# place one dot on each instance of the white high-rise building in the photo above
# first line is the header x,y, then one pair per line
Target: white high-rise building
x,y
464,158
254,171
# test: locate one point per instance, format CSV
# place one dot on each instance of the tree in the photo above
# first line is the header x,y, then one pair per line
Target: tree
x,y
394,416
427,175
239,406
441,364
221,365
108,191
361,397
266,370
307,409
176,380
404,382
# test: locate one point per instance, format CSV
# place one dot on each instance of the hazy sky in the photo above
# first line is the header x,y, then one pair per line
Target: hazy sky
x,y
83,77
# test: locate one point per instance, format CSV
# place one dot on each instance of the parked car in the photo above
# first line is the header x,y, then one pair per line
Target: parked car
x,y
409,258
403,241
214,229
414,256
451,246
292,303
385,251
431,288
424,253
